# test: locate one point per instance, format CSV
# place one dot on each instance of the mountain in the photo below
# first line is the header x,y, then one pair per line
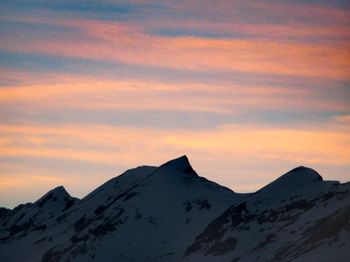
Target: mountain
x,y
298,217
146,214
169,213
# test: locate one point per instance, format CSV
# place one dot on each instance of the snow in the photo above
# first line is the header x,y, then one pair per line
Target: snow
x,y
297,217
169,213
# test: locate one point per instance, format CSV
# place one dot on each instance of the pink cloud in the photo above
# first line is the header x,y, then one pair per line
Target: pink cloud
x,y
125,43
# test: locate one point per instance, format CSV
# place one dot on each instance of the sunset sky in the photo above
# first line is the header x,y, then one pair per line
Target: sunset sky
x,y
246,89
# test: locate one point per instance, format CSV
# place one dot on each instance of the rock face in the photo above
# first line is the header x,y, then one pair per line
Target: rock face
x,y
169,213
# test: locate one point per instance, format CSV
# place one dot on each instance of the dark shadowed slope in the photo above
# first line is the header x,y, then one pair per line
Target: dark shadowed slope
x,y
145,214
169,213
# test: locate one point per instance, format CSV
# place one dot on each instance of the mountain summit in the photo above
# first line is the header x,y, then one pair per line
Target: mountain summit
x,y
180,163
56,197
300,175
180,166
300,178
169,213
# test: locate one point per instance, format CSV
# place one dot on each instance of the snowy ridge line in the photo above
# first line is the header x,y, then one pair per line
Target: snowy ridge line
x,y
169,213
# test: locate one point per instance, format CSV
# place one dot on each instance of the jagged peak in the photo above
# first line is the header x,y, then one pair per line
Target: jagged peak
x,y
178,165
58,193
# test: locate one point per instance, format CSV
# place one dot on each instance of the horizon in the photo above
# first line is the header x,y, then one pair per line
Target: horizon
x,y
247,90
177,158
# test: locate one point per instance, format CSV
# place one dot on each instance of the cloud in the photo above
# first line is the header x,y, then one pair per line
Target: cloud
x,y
106,143
249,67
89,94
344,119
130,44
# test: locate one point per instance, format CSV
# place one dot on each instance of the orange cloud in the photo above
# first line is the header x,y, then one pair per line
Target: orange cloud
x,y
92,94
105,144
345,119
9,182
114,42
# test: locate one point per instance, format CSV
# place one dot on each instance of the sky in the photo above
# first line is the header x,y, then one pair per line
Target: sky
x,y
246,89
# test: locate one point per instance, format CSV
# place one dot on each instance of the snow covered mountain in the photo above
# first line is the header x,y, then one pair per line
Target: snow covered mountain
x,y
298,217
169,213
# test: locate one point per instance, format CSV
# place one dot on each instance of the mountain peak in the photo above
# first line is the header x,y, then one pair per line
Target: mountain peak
x,y
302,174
57,194
297,178
59,191
180,164
177,163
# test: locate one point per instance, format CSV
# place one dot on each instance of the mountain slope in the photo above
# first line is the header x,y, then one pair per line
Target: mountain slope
x,y
169,213
298,217
146,214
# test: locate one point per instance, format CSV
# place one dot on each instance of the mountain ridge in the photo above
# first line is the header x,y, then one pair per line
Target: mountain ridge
x,y
170,213
182,163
